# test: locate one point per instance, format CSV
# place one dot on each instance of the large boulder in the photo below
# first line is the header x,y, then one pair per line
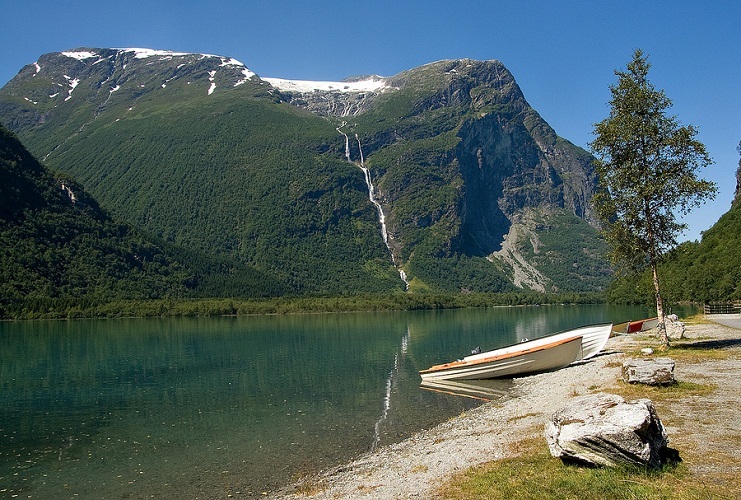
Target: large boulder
x,y
651,371
674,328
605,430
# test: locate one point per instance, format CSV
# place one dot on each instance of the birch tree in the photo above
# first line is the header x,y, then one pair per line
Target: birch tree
x,y
647,164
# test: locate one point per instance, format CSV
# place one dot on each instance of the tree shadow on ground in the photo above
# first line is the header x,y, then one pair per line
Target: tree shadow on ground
x,y
710,344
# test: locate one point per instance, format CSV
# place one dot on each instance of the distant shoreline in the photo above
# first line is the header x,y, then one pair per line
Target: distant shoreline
x,y
73,308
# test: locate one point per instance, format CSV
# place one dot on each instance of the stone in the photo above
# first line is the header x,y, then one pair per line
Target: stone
x,y
674,328
605,430
647,351
649,371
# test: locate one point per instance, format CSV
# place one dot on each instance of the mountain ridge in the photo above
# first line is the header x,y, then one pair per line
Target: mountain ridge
x,y
202,152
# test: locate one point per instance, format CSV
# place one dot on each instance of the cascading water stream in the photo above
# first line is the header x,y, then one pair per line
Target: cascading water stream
x,y
372,198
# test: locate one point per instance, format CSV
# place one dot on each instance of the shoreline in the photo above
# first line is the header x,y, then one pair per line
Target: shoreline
x,y
419,465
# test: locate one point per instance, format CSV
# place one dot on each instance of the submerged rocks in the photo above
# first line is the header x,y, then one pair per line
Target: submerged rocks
x,y
605,430
654,371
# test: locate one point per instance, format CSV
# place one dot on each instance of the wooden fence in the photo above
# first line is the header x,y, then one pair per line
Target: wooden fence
x,y
723,307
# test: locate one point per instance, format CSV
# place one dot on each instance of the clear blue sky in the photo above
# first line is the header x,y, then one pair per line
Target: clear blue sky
x,y
562,53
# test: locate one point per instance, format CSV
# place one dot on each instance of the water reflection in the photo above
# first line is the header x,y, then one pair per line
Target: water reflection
x,y
483,390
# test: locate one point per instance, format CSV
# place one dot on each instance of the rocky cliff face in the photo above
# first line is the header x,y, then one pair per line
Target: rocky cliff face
x,y
506,162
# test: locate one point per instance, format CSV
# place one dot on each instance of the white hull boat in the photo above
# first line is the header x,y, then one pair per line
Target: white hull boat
x,y
532,356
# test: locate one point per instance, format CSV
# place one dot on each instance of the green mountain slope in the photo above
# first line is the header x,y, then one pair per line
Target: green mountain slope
x,y
205,155
56,242
464,163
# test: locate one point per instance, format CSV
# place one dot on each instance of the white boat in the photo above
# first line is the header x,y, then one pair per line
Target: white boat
x,y
594,339
532,356
529,360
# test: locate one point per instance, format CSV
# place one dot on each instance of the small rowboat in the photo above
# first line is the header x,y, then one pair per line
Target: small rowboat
x,y
532,356
531,360
635,326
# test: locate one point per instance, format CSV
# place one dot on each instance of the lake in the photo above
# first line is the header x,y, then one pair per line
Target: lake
x,y
210,407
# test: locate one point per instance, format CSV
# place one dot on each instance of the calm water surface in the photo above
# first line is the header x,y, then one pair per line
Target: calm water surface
x,y
209,407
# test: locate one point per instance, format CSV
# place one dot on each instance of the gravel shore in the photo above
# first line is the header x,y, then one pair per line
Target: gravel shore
x,y
417,466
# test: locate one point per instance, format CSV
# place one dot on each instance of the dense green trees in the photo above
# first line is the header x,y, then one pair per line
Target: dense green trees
x,y
56,242
647,169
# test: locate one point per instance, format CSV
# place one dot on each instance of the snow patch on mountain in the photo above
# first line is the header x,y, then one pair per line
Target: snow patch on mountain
x,y
73,82
211,76
247,75
80,55
230,61
374,84
145,53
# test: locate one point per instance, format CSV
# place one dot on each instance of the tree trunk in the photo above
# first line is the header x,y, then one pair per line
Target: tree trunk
x,y
659,306
655,275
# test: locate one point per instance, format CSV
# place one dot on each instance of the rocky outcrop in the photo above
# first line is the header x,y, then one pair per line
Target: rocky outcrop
x,y
605,430
513,262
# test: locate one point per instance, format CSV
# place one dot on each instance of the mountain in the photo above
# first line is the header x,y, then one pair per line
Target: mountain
x,y
59,248
441,178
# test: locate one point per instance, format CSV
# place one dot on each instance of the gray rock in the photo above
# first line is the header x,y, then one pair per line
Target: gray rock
x,y
605,430
674,328
650,371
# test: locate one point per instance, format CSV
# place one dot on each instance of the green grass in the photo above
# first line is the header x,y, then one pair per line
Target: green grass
x,y
534,474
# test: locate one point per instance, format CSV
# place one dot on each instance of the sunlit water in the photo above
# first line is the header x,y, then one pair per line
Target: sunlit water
x,y
209,407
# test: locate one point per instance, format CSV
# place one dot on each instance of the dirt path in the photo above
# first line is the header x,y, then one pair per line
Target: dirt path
x,y
704,429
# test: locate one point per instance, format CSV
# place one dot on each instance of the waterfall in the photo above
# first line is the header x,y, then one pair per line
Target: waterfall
x,y
373,199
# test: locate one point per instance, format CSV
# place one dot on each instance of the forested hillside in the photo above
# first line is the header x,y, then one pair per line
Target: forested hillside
x,y
59,249
704,271
56,242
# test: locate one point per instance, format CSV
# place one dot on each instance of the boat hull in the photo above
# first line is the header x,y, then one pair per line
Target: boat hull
x,y
635,326
535,359
594,339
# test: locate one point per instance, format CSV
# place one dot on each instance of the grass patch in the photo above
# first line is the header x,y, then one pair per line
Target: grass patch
x,y
688,350
536,475
311,488
699,350
661,393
